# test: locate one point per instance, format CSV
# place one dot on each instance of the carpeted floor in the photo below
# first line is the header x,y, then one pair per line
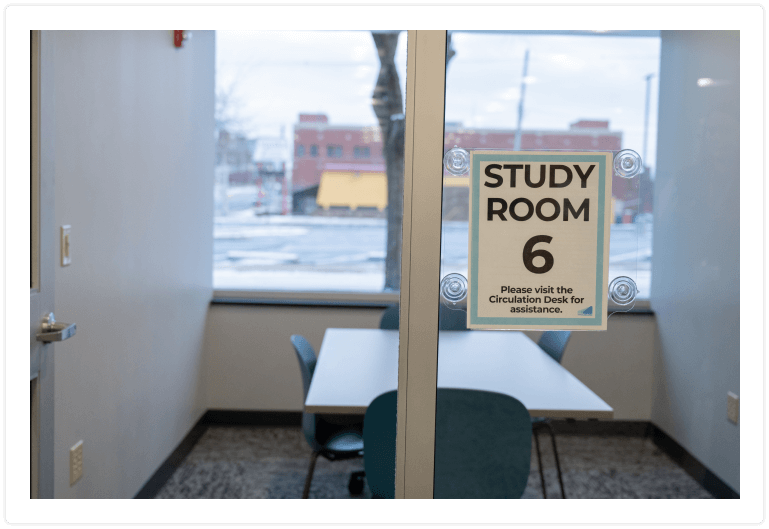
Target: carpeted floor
x,y
271,462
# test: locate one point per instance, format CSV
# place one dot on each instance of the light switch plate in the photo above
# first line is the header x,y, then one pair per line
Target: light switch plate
x,y
733,407
66,256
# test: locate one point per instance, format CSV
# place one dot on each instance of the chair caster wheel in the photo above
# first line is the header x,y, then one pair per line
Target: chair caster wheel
x,y
355,486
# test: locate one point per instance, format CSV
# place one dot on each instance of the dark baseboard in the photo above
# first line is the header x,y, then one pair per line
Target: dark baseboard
x,y
593,427
252,418
709,481
172,462
675,451
213,417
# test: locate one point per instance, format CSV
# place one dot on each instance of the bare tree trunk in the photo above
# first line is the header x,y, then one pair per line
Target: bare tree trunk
x,y
395,168
389,111
388,107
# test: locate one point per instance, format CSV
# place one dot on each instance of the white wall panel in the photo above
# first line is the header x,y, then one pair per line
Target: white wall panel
x,y
696,253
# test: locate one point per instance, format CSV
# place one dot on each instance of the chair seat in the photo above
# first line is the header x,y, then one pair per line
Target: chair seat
x,y
334,437
539,419
348,443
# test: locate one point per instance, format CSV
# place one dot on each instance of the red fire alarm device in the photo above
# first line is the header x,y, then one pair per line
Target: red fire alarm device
x,y
178,37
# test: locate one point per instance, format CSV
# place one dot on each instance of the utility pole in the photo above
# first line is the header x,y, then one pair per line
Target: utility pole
x,y
646,116
517,146
645,177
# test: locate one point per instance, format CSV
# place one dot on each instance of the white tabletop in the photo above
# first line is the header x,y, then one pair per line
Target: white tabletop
x,y
357,365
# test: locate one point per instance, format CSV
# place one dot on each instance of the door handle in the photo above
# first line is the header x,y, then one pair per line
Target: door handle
x,y
55,332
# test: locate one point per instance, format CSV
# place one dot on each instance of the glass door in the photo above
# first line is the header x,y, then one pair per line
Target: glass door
x,y
570,125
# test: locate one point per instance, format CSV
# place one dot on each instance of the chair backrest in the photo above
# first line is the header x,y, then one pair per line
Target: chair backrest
x,y
448,319
307,360
379,426
452,319
482,445
390,318
554,343
305,354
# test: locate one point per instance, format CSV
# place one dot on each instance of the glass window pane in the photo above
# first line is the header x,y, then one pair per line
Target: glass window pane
x,y
531,91
552,91
303,178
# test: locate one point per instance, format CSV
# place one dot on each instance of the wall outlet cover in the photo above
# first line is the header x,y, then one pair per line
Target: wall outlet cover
x,y
75,463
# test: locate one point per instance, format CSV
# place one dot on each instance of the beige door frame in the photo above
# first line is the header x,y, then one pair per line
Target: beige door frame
x,y
42,269
420,265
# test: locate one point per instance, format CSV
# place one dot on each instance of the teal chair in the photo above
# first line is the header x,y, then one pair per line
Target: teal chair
x,y
390,318
482,445
554,344
328,439
448,319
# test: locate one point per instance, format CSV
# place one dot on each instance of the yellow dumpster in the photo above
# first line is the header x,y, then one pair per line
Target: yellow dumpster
x,y
352,189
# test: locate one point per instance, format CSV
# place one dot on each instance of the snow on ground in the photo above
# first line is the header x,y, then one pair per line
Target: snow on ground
x,y
247,217
303,281
363,281
351,260
248,232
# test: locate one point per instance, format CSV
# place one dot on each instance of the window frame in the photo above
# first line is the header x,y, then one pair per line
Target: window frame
x,y
334,151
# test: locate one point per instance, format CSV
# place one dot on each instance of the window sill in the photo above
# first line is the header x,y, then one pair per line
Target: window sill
x,y
312,299
343,299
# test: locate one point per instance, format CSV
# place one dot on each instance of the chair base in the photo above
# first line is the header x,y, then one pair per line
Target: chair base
x,y
355,485
310,472
546,424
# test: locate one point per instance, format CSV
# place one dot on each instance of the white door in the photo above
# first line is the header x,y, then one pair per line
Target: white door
x,y
45,252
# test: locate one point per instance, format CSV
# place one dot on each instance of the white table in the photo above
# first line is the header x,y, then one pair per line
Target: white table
x,y
357,365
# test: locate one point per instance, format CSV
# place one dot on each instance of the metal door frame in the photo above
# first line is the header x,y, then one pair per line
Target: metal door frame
x,y
420,264
42,269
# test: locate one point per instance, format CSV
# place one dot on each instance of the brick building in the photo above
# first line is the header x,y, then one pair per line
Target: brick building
x,y
323,149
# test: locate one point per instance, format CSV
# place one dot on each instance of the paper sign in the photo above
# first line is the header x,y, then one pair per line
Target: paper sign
x,y
539,240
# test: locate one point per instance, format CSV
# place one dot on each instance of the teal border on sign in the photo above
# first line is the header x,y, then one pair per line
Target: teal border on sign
x,y
475,182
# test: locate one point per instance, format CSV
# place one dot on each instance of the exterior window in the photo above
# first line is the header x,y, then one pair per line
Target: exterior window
x,y
301,190
570,99
287,221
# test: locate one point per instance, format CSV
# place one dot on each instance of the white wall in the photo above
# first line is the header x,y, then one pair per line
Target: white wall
x,y
250,362
133,128
695,286
617,364
251,365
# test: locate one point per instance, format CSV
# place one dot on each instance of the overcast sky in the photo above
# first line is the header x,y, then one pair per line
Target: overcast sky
x,y
274,76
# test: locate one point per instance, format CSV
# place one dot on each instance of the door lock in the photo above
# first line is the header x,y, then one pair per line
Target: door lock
x,y
55,332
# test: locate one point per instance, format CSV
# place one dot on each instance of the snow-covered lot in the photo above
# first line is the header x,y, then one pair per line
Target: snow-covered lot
x,y
306,253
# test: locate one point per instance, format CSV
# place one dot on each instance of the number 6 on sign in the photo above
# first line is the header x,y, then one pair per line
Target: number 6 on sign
x,y
539,240
529,254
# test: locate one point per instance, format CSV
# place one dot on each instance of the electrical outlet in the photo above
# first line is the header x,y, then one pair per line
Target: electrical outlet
x,y
733,407
66,258
75,463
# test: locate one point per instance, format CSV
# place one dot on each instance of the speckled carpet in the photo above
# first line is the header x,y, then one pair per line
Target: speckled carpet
x,y
271,462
